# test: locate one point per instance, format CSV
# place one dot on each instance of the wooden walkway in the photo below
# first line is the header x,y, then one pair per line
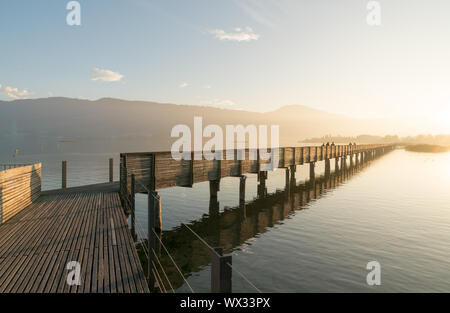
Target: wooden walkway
x,y
59,227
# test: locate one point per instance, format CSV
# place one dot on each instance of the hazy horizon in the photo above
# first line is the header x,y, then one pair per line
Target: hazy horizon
x,y
167,146
248,55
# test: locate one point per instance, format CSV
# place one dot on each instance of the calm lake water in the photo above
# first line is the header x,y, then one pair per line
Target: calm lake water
x,y
394,210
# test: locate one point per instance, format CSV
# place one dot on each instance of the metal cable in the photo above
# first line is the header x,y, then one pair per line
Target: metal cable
x,y
164,272
156,278
245,278
155,271
202,240
144,247
176,266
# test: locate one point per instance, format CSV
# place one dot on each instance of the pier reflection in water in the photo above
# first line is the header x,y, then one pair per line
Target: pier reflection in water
x,y
234,227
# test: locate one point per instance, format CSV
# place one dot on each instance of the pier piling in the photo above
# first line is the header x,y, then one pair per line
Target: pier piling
x,y
111,170
220,272
64,174
312,174
242,180
133,205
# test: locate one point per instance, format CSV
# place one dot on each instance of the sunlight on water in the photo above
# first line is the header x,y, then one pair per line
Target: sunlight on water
x,y
395,210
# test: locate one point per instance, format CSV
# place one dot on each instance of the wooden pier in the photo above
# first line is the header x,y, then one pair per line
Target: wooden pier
x,y
41,233
158,170
86,225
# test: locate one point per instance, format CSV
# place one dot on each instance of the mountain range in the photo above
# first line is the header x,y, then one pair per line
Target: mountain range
x,y
107,124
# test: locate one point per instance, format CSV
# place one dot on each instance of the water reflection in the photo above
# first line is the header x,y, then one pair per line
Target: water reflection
x,y
233,227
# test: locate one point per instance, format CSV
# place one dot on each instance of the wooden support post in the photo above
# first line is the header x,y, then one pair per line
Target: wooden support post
x,y
327,167
262,184
133,205
293,169
213,206
111,170
158,214
312,174
154,226
302,155
221,272
214,187
151,240
336,164
64,174
242,189
123,175
287,178
191,169
124,187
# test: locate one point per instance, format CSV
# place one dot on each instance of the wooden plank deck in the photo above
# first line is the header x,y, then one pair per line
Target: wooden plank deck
x,y
84,226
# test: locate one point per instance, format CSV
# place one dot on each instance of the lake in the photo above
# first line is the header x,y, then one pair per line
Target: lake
x,y
394,210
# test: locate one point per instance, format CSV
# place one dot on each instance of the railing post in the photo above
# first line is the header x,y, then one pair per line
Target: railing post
x,y
151,239
133,204
64,174
125,188
111,170
220,272
154,226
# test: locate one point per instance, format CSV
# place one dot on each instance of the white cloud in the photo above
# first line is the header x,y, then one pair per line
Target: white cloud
x,y
105,75
15,93
183,85
239,34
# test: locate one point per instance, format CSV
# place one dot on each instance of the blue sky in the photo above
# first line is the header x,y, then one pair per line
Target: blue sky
x,y
318,53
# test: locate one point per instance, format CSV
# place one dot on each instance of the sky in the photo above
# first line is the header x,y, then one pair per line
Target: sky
x,y
254,55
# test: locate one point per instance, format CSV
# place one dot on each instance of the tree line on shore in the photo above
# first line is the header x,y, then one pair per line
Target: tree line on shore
x,y
372,139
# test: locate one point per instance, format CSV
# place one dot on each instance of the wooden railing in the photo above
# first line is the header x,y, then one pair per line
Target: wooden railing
x,y
159,170
10,166
19,187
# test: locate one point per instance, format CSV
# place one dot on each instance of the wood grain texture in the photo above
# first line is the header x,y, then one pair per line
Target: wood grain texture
x,y
87,227
19,187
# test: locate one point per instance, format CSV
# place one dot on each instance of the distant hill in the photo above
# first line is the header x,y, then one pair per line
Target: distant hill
x,y
420,140
107,124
